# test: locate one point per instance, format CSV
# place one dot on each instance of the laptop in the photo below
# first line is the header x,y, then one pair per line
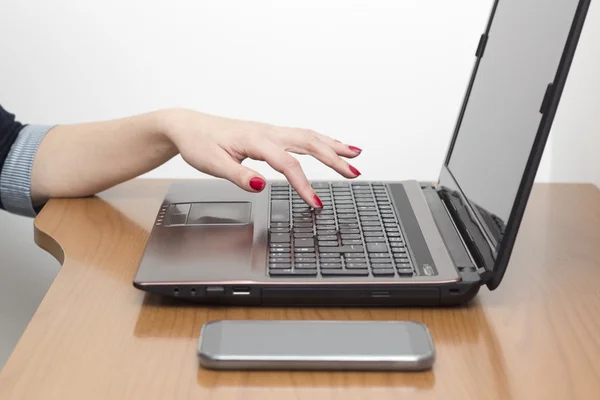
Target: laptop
x,y
392,243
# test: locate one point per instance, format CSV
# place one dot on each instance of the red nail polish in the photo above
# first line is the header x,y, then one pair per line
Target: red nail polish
x,y
354,148
257,184
354,170
318,201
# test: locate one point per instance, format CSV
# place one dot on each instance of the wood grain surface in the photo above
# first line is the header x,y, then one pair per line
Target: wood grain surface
x,y
96,337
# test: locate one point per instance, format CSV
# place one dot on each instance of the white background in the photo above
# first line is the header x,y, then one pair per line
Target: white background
x,y
384,75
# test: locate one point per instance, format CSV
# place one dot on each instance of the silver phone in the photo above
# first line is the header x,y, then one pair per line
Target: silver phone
x,y
316,345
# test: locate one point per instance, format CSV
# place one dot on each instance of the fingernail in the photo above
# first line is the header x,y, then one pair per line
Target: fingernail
x,y
354,170
354,148
318,201
257,184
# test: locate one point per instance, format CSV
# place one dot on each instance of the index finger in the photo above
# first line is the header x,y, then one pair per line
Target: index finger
x,y
283,162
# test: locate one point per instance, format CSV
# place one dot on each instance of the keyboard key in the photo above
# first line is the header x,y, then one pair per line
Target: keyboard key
x,y
396,239
331,265
343,200
343,249
280,230
403,266
300,220
280,237
326,232
366,208
346,215
371,223
344,272
349,230
328,243
399,250
389,220
279,245
303,235
377,247
280,211
305,265
280,250
329,255
356,265
344,206
304,250
355,258
351,241
375,239
379,255
368,213
405,272
350,236
305,230
303,225
393,234
278,260
322,222
347,221
280,265
372,229
397,244
348,226
305,260
328,237
304,242
383,272
402,259
369,218
376,264
320,217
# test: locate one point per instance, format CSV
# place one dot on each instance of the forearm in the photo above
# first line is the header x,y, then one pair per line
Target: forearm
x,y
83,159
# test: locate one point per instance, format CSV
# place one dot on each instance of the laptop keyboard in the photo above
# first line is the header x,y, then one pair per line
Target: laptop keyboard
x,y
355,234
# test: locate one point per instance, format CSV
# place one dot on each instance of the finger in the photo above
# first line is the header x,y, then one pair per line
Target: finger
x,y
284,163
222,165
295,140
340,148
329,157
311,143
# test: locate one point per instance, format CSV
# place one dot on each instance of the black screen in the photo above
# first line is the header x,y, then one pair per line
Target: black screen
x,y
502,116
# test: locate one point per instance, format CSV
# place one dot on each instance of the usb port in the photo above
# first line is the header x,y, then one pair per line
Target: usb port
x,y
241,290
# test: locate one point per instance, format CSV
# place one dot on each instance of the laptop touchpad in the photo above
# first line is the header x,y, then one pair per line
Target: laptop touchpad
x,y
219,213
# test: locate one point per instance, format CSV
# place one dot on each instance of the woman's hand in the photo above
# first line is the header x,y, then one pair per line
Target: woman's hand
x,y
83,159
217,146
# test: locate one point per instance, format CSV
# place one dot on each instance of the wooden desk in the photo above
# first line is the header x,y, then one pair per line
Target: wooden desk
x,y
96,337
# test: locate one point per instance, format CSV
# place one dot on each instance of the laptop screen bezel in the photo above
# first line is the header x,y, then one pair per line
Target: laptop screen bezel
x,y
492,257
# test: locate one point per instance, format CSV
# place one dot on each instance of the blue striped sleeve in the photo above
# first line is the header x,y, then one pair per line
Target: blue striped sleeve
x,y
15,177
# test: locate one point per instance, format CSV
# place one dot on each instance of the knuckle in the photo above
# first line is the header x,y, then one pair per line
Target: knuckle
x,y
290,164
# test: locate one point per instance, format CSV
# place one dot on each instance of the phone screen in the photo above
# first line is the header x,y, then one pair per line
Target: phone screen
x,y
306,339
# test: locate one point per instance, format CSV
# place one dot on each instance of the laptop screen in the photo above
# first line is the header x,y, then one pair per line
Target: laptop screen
x,y
502,116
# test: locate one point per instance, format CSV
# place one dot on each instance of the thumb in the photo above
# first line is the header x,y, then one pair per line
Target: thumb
x,y
240,175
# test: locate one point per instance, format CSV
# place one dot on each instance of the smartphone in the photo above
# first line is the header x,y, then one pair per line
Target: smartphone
x,y
316,345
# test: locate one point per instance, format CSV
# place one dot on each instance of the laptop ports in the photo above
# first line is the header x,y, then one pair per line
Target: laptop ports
x,y
240,290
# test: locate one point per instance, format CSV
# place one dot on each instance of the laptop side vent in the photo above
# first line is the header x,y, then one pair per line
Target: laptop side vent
x,y
481,46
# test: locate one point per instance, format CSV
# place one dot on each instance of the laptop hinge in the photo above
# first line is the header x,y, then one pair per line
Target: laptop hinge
x,y
481,46
466,239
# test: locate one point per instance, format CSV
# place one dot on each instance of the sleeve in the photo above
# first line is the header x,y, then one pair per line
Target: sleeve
x,y
15,174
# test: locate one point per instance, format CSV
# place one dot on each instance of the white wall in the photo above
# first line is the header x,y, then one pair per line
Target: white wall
x,y
385,75
576,131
